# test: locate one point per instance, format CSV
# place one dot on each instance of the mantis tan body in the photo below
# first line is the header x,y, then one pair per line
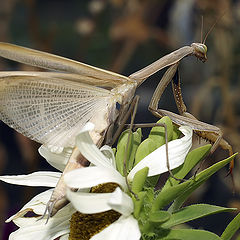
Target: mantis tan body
x,y
75,77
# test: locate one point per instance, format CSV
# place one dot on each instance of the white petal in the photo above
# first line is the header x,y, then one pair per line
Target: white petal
x,y
125,228
41,178
64,237
31,228
156,161
92,176
89,202
58,161
90,151
121,202
108,152
36,204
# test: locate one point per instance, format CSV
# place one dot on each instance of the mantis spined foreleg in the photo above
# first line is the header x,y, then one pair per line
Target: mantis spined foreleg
x,y
209,132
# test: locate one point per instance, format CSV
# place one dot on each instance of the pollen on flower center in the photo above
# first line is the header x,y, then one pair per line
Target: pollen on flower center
x,y
104,188
84,226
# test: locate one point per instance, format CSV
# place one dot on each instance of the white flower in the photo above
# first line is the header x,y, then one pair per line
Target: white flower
x,y
104,171
30,227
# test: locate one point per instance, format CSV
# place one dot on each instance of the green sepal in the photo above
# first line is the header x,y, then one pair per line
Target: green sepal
x,y
139,180
159,216
193,212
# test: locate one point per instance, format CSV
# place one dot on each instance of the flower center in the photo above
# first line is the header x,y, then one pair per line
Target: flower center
x,y
84,226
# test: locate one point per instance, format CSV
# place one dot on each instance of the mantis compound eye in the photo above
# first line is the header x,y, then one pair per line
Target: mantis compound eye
x,y
200,51
202,48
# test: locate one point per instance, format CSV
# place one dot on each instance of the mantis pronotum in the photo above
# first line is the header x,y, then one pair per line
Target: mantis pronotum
x,y
51,107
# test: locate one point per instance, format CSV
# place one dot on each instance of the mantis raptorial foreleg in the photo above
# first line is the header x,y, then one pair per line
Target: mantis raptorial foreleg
x,y
210,132
212,136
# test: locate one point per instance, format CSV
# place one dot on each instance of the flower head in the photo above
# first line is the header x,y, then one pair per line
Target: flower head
x,y
115,205
103,170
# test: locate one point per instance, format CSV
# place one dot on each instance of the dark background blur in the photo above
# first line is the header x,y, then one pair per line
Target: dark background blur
x,y
124,36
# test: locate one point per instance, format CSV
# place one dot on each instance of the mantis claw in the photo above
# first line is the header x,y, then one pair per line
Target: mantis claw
x,y
48,211
52,208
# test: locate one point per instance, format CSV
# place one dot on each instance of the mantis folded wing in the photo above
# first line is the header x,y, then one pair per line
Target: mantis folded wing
x,y
52,107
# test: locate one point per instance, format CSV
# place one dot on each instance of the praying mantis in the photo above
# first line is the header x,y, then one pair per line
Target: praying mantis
x,y
52,107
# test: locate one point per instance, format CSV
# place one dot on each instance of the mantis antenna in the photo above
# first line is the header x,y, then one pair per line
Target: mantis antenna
x,y
211,28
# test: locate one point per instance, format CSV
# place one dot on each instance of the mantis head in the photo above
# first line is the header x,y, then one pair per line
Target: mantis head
x,y
200,51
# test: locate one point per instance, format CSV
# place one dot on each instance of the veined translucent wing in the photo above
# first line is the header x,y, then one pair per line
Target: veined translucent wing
x,y
93,81
57,63
49,110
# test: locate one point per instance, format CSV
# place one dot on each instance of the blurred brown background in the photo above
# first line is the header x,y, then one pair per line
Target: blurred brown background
x,y
124,36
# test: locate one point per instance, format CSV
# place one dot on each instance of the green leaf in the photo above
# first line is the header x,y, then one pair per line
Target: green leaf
x,y
137,138
189,234
181,192
199,180
139,180
165,197
157,134
145,148
231,228
192,212
192,159
159,216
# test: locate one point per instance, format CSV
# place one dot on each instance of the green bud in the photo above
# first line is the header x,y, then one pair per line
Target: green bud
x,y
138,203
157,134
145,148
121,150
139,180
137,137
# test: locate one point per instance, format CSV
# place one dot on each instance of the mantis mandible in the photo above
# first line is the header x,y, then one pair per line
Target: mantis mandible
x,y
51,107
